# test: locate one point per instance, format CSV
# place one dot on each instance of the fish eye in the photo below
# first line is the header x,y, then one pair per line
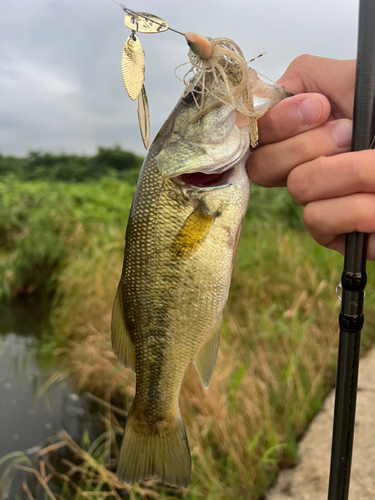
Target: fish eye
x,y
193,96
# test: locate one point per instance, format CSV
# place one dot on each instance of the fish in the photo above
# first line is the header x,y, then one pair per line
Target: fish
x,y
180,245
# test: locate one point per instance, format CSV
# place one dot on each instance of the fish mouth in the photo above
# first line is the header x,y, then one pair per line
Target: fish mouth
x,y
208,181
202,180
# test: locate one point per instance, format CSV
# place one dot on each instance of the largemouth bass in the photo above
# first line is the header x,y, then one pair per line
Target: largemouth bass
x,y
181,241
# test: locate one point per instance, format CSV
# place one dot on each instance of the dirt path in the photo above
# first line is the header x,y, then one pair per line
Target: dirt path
x,y
309,479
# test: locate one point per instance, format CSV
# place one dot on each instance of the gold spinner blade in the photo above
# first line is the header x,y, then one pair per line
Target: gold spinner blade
x,y
133,66
144,117
143,22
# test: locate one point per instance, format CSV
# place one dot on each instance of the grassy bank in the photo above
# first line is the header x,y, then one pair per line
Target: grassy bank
x,y
279,336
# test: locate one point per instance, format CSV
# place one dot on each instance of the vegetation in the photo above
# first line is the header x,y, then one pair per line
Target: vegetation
x,y
279,336
107,162
42,221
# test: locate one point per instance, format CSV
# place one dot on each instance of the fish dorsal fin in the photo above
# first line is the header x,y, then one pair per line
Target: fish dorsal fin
x,y
206,359
192,233
122,343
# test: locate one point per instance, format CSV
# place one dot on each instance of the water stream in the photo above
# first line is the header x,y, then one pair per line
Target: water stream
x,y
26,421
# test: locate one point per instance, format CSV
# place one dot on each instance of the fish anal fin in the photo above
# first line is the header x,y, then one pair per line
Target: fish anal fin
x,y
122,343
192,234
162,451
206,359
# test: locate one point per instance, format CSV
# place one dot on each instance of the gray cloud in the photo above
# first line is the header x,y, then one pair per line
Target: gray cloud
x,y
61,87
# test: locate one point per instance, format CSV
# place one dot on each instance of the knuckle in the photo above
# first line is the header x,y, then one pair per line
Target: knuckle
x,y
257,168
356,178
364,212
307,148
297,185
311,217
300,63
361,167
271,126
300,60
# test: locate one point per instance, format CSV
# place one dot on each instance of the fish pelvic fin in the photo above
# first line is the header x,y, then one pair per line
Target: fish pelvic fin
x,y
122,344
162,451
206,359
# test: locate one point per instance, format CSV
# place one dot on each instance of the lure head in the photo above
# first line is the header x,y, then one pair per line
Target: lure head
x,y
199,45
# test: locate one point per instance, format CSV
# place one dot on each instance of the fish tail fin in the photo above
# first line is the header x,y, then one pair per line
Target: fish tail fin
x,y
162,452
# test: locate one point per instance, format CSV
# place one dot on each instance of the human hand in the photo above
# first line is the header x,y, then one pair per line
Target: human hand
x,y
304,145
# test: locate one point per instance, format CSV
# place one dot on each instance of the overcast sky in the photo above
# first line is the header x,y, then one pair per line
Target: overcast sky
x,y
61,88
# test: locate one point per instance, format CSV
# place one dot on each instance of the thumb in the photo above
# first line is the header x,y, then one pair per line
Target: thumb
x,y
333,78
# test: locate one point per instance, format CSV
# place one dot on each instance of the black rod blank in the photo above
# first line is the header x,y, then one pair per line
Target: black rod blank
x,y
354,274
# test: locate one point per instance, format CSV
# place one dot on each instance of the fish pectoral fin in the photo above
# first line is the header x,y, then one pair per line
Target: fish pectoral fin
x,y
122,344
192,233
206,359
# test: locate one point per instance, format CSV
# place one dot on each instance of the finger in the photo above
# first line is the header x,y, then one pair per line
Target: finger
x,y
338,244
333,78
327,219
270,165
333,177
293,116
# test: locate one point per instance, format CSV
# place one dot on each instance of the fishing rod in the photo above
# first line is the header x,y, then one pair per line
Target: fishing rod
x,y
353,280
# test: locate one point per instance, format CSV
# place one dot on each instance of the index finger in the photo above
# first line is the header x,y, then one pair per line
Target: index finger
x,y
292,116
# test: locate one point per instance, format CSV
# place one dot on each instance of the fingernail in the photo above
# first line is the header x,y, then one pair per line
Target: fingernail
x,y
309,110
343,134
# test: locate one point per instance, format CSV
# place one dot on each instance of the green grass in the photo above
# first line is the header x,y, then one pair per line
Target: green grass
x,y
42,223
279,337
